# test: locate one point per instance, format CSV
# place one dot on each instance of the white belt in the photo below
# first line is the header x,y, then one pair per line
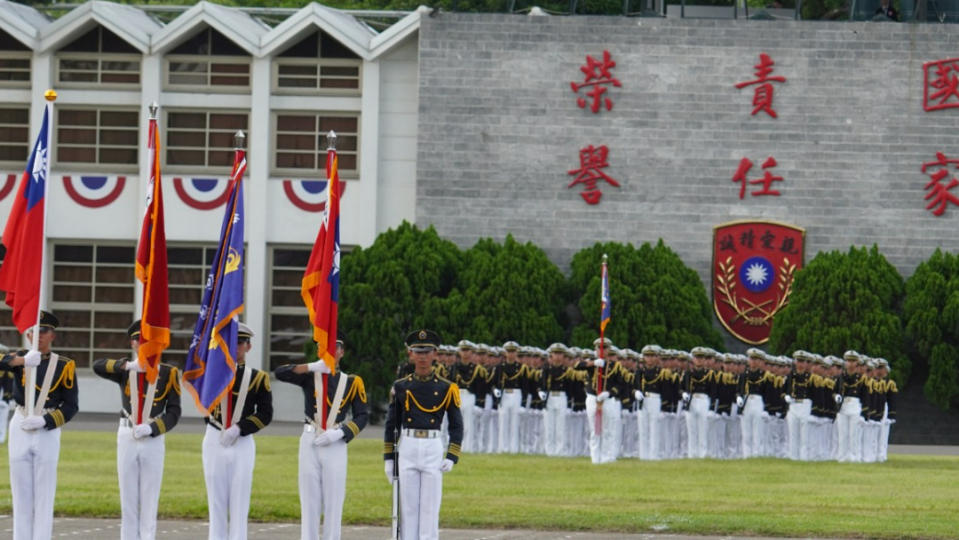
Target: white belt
x,y
23,411
700,394
510,390
422,433
311,428
126,423
652,394
556,393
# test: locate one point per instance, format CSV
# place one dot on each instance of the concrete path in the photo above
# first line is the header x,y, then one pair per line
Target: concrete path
x,y
108,529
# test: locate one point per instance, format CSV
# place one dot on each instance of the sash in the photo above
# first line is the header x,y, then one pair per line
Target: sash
x,y
47,381
337,399
241,398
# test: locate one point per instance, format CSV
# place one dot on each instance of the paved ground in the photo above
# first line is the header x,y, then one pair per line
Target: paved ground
x,y
105,529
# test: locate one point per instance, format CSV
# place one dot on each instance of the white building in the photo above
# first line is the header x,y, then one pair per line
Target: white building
x,y
212,70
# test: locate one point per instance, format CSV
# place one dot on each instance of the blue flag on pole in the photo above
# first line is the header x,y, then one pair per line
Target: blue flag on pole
x,y
211,363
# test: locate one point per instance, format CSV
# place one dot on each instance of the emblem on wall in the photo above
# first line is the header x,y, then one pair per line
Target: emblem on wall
x,y
202,193
7,186
309,195
754,264
94,191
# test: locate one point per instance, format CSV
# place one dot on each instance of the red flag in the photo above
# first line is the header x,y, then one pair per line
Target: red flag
x,y
23,236
151,268
321,280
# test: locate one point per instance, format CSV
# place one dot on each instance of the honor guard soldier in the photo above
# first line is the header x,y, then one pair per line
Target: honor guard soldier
x,y
554,381
509,379
753,421
602,407
322,477
700,386
229,452
890,398
140,437
412,438
35,435
800,406
650,427
467,376
849,421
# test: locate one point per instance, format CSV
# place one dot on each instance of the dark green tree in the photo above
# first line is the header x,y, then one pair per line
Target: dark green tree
x,y
931,318
387,290
510,291
843,301
655,298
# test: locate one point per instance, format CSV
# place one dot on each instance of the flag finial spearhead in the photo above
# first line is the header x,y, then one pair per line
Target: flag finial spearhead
x,y
50,95
239,138
154,108
331,140
605,257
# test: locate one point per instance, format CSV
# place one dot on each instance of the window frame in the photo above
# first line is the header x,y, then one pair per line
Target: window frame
x,y
82,166
317,90
206,168
100,58
209,59
320,169
16,165
18,55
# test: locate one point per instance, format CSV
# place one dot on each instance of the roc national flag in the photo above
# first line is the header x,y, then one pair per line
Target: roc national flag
x,y
607,306
211,362
23,236
321,279
151,268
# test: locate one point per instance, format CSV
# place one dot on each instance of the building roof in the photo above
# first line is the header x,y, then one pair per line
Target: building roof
x,y
239,27
129,23
22,22
344,28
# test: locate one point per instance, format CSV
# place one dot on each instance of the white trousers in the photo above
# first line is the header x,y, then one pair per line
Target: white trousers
x,y
753,426
140,473
604,448
630,427
884,439
33,479
509,411
871,430
697,426
421,487
4,419
577,439
228,471
650,427
322,481
554,425
734,434
849,431
797,429
467,408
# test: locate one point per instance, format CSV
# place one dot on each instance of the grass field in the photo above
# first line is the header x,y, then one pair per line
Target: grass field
x,y
907,497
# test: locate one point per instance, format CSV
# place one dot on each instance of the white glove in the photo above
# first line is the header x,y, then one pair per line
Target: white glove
x,y
133,366
685,396
497,393
142,430
739,401
319,366
228,437
891,421
447,466
388,469
789,399
838,398
599,362
638,395
328,437
32,423
32,358
542,395
603,396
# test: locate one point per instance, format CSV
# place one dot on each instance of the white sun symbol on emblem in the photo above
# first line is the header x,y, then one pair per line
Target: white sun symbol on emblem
x,y
756,274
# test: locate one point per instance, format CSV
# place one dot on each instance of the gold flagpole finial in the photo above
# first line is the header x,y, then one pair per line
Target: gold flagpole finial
x,y
331,140
50,95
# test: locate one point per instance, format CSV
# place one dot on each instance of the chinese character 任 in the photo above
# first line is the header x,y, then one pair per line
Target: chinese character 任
x,y
939,193
591,162
767,179
763,93
941,84
597,76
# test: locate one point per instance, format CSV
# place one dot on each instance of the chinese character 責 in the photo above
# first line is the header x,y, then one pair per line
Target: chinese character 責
x,y
763,93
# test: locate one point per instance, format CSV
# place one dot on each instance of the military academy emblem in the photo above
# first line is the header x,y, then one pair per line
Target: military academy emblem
x,y
754,264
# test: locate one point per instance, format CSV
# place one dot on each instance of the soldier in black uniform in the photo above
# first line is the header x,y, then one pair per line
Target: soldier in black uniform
x,y
6,395
34,449
418,404
140,439
229,452
322,452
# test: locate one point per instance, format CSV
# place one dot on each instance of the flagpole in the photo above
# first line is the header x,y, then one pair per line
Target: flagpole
x,y
31,374
603,279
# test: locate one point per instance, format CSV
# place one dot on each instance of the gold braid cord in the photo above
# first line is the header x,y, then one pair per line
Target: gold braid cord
x,y
753,314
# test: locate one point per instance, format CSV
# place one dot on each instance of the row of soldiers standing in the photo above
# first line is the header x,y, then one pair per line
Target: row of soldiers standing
x,y
668,404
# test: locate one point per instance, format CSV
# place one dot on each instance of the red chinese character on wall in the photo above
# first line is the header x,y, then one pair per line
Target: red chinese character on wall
x,y
591,162
939,193
766,180
763,93
940,89
597,77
